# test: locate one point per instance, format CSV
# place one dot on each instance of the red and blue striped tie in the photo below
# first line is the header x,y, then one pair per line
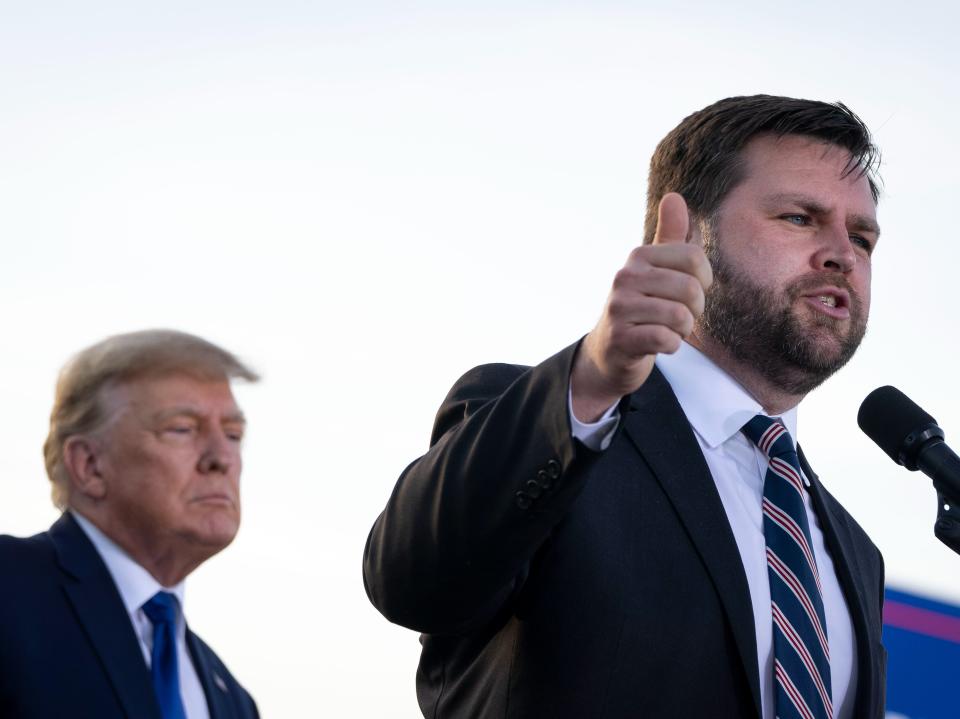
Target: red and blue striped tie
x,y
800,650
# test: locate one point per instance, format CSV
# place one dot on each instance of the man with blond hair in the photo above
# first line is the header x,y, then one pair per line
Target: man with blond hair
x,y
144,458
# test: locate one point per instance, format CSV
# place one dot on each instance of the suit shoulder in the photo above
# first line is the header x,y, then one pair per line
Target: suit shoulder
x,y
20,555
474,389
485,380
29,566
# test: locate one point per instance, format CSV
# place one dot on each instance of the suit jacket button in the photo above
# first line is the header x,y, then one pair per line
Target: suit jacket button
x,y
553,468
533,488
544,479
523,501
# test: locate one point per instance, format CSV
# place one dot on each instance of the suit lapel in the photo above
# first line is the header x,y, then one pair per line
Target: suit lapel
x,y
101,613
837,535
214,687
660,431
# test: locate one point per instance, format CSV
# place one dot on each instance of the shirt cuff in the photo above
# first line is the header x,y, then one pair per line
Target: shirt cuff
x,y
595,435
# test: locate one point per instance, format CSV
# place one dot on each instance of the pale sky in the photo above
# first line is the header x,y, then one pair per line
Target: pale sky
x,y
365,200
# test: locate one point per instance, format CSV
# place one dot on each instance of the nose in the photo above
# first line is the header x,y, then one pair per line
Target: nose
x,y
219,454
834,251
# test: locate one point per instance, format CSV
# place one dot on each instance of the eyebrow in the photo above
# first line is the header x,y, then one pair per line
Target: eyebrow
x,y
862,223
187,411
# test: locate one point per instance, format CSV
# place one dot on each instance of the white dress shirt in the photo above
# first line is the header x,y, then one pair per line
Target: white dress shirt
x,y
136,585
717,407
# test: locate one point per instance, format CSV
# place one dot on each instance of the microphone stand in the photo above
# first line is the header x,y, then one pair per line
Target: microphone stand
x,y
947,526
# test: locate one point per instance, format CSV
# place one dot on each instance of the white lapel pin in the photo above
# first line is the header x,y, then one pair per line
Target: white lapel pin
x,y
218,680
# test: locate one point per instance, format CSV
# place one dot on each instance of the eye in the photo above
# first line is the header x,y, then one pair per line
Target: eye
x,y
234,434
798,220
862,242
179,429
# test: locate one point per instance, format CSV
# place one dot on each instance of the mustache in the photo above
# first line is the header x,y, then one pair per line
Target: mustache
x,y
817,280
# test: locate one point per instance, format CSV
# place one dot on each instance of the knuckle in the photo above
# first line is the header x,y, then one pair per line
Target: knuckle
x,y
708,275
616,306
683,254
667,340
638,254
697,307
678,315
692,290
703,268
625,277
693,256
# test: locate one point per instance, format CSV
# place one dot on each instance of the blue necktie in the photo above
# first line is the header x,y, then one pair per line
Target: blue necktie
x,y
161,610
800,649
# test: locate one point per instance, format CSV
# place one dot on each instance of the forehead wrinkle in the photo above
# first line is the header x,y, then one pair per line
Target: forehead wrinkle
x,y
180,410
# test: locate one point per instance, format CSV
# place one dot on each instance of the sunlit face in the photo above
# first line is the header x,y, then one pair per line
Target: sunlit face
x,y
791,249
170,463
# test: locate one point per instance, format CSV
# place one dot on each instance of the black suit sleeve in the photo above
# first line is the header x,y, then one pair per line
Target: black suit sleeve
x,y
455,541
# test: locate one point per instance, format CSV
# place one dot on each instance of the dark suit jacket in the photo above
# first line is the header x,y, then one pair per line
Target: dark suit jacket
x,y
552,581
67,647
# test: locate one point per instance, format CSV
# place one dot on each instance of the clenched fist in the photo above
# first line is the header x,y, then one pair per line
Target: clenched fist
x,y
652,307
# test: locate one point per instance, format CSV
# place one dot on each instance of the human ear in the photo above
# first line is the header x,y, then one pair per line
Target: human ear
x,y
81,460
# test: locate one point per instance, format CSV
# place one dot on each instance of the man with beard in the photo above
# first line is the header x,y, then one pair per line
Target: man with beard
x,y
626,529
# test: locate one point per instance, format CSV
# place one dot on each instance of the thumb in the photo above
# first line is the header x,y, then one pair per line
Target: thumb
x,y
672,220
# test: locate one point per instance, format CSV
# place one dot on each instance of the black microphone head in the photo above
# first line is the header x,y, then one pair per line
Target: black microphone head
x,y
897,424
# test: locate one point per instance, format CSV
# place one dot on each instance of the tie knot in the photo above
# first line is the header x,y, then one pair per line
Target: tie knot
x,y
769,435
161,608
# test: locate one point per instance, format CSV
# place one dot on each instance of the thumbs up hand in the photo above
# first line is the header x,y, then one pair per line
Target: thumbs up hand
x,y
655,300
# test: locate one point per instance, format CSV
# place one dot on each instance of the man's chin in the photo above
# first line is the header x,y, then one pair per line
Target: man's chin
x,y
826,342
808,366
216,529
825,355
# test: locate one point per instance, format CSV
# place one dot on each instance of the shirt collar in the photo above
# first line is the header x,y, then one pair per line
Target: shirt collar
x,y
716,405
135,584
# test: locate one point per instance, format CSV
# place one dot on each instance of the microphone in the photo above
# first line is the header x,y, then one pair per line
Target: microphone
x,y
912,438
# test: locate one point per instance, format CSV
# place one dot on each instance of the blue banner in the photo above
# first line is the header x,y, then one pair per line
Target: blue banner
x,y
922,638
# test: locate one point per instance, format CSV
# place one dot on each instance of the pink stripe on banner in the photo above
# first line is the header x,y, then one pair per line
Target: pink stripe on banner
x,y
922,621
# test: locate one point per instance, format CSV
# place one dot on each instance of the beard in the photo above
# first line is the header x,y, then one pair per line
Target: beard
x,y
760,327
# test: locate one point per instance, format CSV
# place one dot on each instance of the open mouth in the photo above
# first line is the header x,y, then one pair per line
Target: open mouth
x,y
833,301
